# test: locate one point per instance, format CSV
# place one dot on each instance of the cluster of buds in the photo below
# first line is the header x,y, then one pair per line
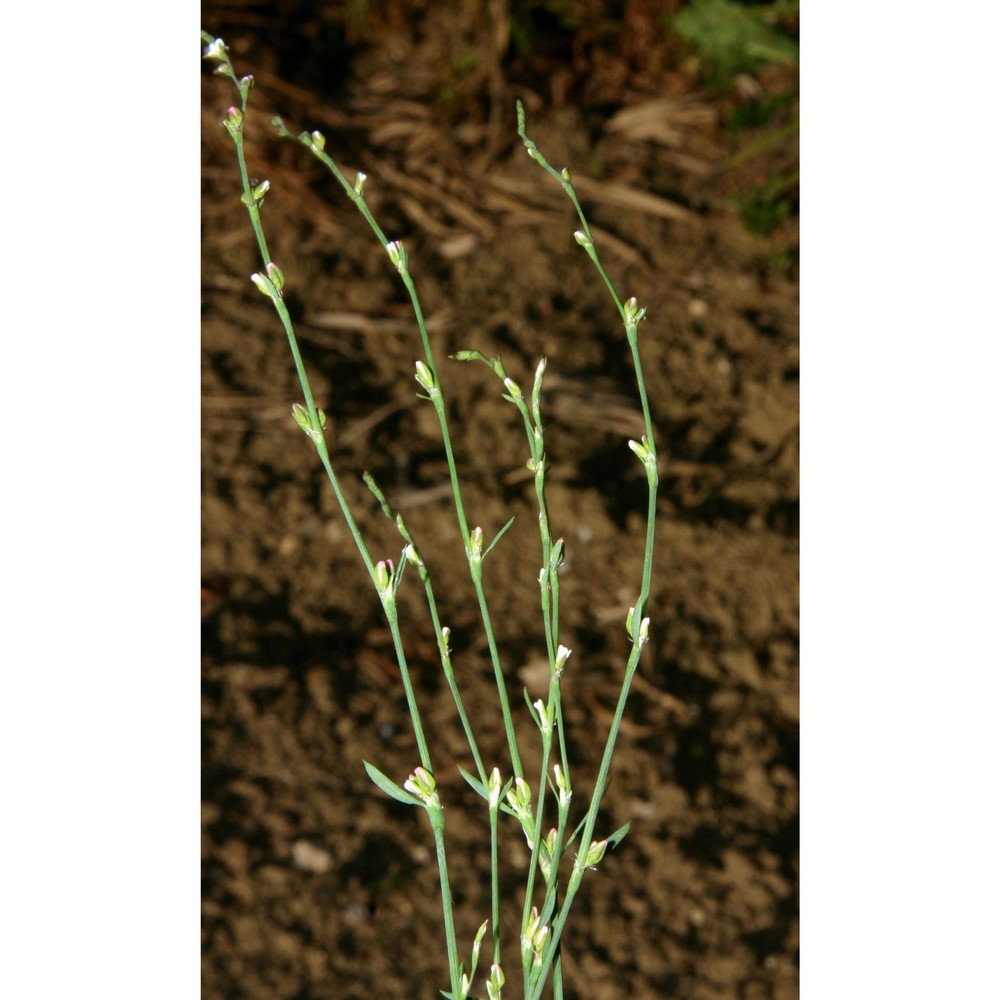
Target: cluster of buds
x,y
384,572
519,799
397,255
544,723
422,784
257,193
547,852
270,283
495,983
533,938
301,415
474,549
634,315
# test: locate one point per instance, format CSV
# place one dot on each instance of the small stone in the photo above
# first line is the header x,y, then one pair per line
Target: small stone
x,y
310,858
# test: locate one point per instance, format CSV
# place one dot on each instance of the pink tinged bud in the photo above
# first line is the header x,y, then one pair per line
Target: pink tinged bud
x,y
421,783
495,983
397,255
383,575
264,286
276,277
595,853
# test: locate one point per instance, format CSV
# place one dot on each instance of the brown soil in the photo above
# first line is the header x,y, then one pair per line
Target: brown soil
x,y
316,885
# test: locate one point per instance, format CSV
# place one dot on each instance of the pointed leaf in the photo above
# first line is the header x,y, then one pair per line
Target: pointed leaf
x,y
477,786
576,832
619,835
531,708
499,535
548,909
390,787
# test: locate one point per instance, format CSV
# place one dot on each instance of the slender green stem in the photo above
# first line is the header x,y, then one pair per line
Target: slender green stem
x,y
495,880
437,825
412,554
389,604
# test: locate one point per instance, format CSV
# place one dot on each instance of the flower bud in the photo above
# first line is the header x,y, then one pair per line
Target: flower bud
x,y
495,983
641,451
595,853
513,388
475,546
233,121
421,783
301,415
264,286
562,786
276,277
397,255
633,314
644,632
424,377
383,576
562,655
216,50
547,852
259,191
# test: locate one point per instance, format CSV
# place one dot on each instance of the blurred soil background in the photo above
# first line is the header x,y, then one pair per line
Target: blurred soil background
x,y
679,124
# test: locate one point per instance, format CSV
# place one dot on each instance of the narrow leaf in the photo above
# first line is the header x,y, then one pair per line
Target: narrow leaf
x,y
619,835
499,535
389,787
531,707
477,786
